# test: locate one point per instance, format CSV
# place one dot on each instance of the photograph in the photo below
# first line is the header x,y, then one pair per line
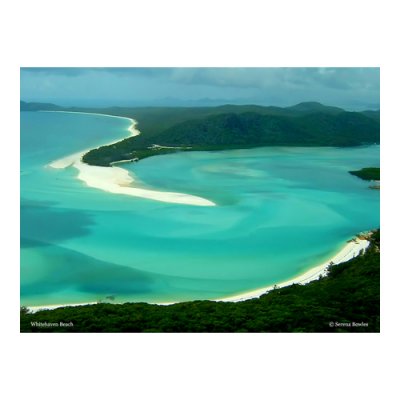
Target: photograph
x,y
199,199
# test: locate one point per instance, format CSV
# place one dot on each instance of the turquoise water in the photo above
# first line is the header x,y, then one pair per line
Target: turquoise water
x,y
279,212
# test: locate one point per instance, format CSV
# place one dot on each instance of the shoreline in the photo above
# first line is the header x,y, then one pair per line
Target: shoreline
x,y
351,250
118,180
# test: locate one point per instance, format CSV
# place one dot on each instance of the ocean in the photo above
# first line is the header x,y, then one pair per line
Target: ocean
x,y
280,211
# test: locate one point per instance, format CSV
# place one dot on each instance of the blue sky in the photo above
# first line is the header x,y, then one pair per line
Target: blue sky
x,y
350,88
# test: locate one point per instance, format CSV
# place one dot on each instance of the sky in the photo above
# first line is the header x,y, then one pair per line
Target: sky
x,y
350,88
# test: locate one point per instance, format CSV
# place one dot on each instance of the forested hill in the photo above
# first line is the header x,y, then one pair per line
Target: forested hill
x,y
249,128
231,126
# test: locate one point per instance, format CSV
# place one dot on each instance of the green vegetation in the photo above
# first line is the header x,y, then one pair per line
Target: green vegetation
x,y
372,114
368,174
231,126
248,129
346,129
349,294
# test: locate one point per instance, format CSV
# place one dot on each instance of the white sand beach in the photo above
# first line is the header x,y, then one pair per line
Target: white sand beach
x,y
349,251
118,180
54,306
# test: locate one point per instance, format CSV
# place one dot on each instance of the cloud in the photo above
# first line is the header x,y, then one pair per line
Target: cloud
x,y
268,86
77,71
60,71
333,78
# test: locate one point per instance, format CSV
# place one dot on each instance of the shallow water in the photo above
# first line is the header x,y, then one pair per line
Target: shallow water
x,y
279,211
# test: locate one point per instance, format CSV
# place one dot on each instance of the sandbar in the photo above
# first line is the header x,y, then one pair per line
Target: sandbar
x,y
118,180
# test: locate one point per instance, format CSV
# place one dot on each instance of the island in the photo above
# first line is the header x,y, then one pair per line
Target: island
x,y
165,130
369,174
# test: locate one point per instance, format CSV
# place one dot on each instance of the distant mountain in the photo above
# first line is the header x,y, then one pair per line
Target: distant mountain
x,y
313,106
24,106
